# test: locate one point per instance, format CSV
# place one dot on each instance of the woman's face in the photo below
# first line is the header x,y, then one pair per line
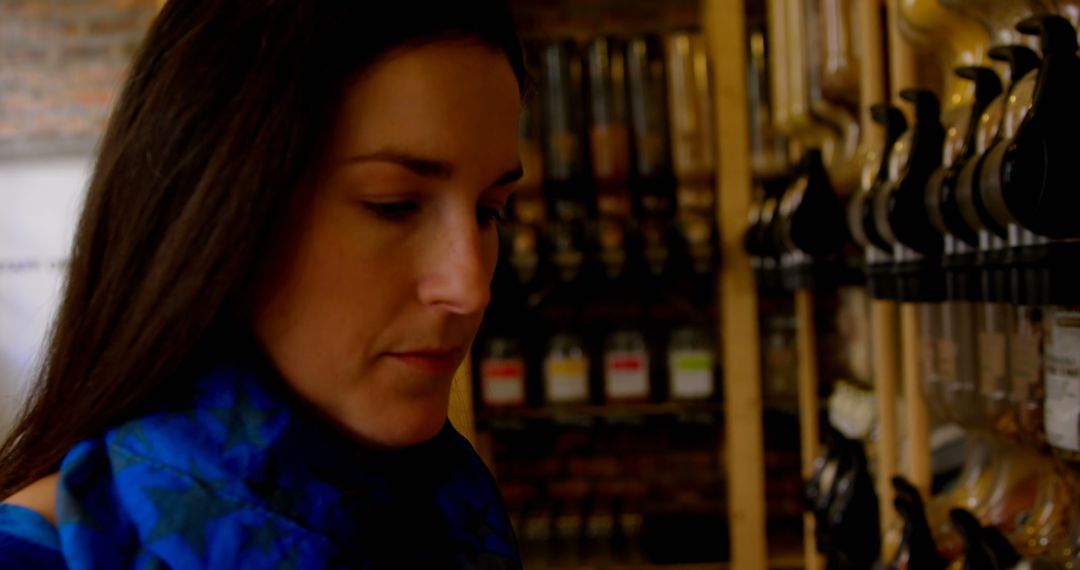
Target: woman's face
x,y
384,279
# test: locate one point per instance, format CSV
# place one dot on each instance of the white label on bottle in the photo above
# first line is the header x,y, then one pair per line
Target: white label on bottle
x,y
627,374
691,374
503,381
567,379
1062,409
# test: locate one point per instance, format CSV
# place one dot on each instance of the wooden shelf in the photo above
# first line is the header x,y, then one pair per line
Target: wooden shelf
x,y
698,410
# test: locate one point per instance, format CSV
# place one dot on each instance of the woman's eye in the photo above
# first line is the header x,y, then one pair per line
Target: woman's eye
x,y
393,211
488,216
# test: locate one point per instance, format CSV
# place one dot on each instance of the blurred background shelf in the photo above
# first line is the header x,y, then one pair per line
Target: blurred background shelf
x,y
704,411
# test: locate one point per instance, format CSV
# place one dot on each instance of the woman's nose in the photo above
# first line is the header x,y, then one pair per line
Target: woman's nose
x,y
458,275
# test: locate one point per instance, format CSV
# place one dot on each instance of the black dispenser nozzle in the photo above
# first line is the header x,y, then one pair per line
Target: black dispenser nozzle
x,y
1056,34
908,216
892,119
922,552
927,106
1021,59
1039,171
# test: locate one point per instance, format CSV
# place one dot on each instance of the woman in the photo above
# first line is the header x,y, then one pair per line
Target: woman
x,y
285,252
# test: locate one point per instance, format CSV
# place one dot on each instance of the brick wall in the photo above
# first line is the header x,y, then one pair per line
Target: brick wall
x,y
61,64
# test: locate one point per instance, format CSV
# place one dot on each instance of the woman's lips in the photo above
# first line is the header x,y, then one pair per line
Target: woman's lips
x,y
439,362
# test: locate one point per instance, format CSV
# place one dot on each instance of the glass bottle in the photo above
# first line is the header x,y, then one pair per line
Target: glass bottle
x,y
840,62
1025,335
566,185
1060,289
652,182
647,81
1015,492
831,103
1046,527
502,374
1062,404
690,107
609,129
1031,154
1061,330
1009,492
994,316
691,364
566,370
779,370
958,346
857,400
693,146
626,367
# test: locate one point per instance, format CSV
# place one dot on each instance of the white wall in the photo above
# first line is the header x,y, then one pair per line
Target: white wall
x,y
40,200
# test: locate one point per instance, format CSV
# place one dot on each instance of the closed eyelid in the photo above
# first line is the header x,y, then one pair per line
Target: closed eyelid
x,y
391,210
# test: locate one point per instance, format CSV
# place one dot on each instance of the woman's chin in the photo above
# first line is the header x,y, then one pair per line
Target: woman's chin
x,y
398,426
416,430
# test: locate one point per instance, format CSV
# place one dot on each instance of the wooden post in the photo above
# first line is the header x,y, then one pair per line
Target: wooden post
x,y
871,72
809,430
725,30
919,470
883,326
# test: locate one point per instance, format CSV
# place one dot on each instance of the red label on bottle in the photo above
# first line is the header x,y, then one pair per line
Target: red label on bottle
x,y
626,363
503,382
503,369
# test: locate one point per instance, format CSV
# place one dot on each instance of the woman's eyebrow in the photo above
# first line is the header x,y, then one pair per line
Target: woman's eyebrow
x,y
421,166
429,167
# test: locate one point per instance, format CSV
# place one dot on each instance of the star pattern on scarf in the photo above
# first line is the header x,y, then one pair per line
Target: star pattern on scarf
x,y
177,508
261,537
247,428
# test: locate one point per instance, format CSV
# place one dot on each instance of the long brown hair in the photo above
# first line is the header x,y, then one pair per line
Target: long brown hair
x,y
225,112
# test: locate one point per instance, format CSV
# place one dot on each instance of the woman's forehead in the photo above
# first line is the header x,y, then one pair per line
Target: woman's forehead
x,y
453,101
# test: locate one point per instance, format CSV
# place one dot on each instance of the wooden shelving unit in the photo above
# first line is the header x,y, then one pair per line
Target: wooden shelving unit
x,y
724,23
742,451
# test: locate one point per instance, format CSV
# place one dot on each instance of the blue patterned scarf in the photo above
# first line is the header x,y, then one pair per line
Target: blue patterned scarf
x,y
241,475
